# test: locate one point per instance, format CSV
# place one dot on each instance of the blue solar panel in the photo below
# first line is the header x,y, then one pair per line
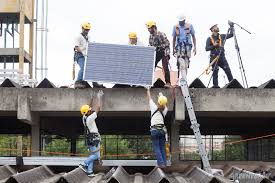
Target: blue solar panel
x,y
120,64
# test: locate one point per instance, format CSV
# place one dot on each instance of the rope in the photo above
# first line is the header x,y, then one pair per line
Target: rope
x,y
138,154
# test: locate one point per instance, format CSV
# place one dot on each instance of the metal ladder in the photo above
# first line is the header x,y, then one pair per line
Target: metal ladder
x,y
194,125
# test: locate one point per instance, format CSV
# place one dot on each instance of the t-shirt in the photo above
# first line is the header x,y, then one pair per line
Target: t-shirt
x,y
81,42
90,121
157,118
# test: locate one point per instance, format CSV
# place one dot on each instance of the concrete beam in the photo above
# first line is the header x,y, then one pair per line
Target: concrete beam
x,y
207,102
114,100
242,102
8,99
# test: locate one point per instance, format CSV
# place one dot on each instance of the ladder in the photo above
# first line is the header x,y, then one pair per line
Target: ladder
x,y
194,125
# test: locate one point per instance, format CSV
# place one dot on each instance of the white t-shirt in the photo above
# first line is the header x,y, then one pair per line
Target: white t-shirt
x,y
90,121
157,118
81,42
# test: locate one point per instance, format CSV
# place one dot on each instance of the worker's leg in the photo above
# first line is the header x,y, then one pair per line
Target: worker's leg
x,y
95,155
215,68
80,62
156,147
162,146
165,63
225,66
183,65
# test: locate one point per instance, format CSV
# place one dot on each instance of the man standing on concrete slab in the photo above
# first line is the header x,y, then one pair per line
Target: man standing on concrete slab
x,y
215,44
160,41
183,41
157,128
80,54
92,135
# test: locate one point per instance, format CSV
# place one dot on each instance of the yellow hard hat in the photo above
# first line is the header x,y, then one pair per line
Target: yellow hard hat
x,y
85,109
162,100
86,25
132,35
150,24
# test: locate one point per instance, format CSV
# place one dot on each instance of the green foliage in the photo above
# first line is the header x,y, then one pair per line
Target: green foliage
x,y
58,145
8,145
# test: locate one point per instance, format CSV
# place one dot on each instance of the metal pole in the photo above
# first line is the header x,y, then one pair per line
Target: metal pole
x,y
36,31
46,40
42,41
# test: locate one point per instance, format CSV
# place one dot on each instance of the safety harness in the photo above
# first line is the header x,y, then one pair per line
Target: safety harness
x,y
91,139
213,41
158,126
185,46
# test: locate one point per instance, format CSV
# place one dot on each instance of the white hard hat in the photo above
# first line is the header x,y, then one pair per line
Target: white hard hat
x,y
181,17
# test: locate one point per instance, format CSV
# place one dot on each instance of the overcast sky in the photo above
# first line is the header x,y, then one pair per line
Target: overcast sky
x,y
113,20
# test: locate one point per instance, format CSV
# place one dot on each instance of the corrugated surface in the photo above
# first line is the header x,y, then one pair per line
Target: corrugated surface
x,y
197,83
40,174
43,174
121,64
245,176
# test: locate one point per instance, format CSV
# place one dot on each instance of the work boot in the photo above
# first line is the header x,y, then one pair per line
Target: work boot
x,y
79,84
96,85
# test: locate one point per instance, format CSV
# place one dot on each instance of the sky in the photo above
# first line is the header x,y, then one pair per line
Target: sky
x,y
113,20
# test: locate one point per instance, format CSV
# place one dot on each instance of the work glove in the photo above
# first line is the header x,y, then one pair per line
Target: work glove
x,y
147,87
160,94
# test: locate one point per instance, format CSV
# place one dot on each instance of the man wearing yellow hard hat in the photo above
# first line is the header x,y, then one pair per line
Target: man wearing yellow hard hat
x,y
133,39
92,136
157,128
80,48
160,41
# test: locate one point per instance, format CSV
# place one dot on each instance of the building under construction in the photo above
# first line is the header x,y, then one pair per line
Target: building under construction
x,y
236,123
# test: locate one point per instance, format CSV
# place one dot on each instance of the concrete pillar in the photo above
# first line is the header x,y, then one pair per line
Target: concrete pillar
x,y
35,139
73,146
174,141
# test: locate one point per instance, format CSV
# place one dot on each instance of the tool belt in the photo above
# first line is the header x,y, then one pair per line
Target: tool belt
x,y
77,55
158,127
92,139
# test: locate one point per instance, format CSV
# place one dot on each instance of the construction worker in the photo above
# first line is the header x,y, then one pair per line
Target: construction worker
x,y
133,39
182,42
80,48
215,44
157,128
161,43
92,136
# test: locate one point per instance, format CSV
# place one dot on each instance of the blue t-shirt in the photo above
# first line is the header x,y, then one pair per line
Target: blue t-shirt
x,y
182,36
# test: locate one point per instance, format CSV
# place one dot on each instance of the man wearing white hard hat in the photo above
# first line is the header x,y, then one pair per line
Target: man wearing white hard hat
x,y
183,41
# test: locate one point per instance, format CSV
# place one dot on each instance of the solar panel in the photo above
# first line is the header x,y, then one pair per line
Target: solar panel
x,y
120,64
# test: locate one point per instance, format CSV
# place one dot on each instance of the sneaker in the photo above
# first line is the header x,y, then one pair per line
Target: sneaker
x,y
83,167
91,174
